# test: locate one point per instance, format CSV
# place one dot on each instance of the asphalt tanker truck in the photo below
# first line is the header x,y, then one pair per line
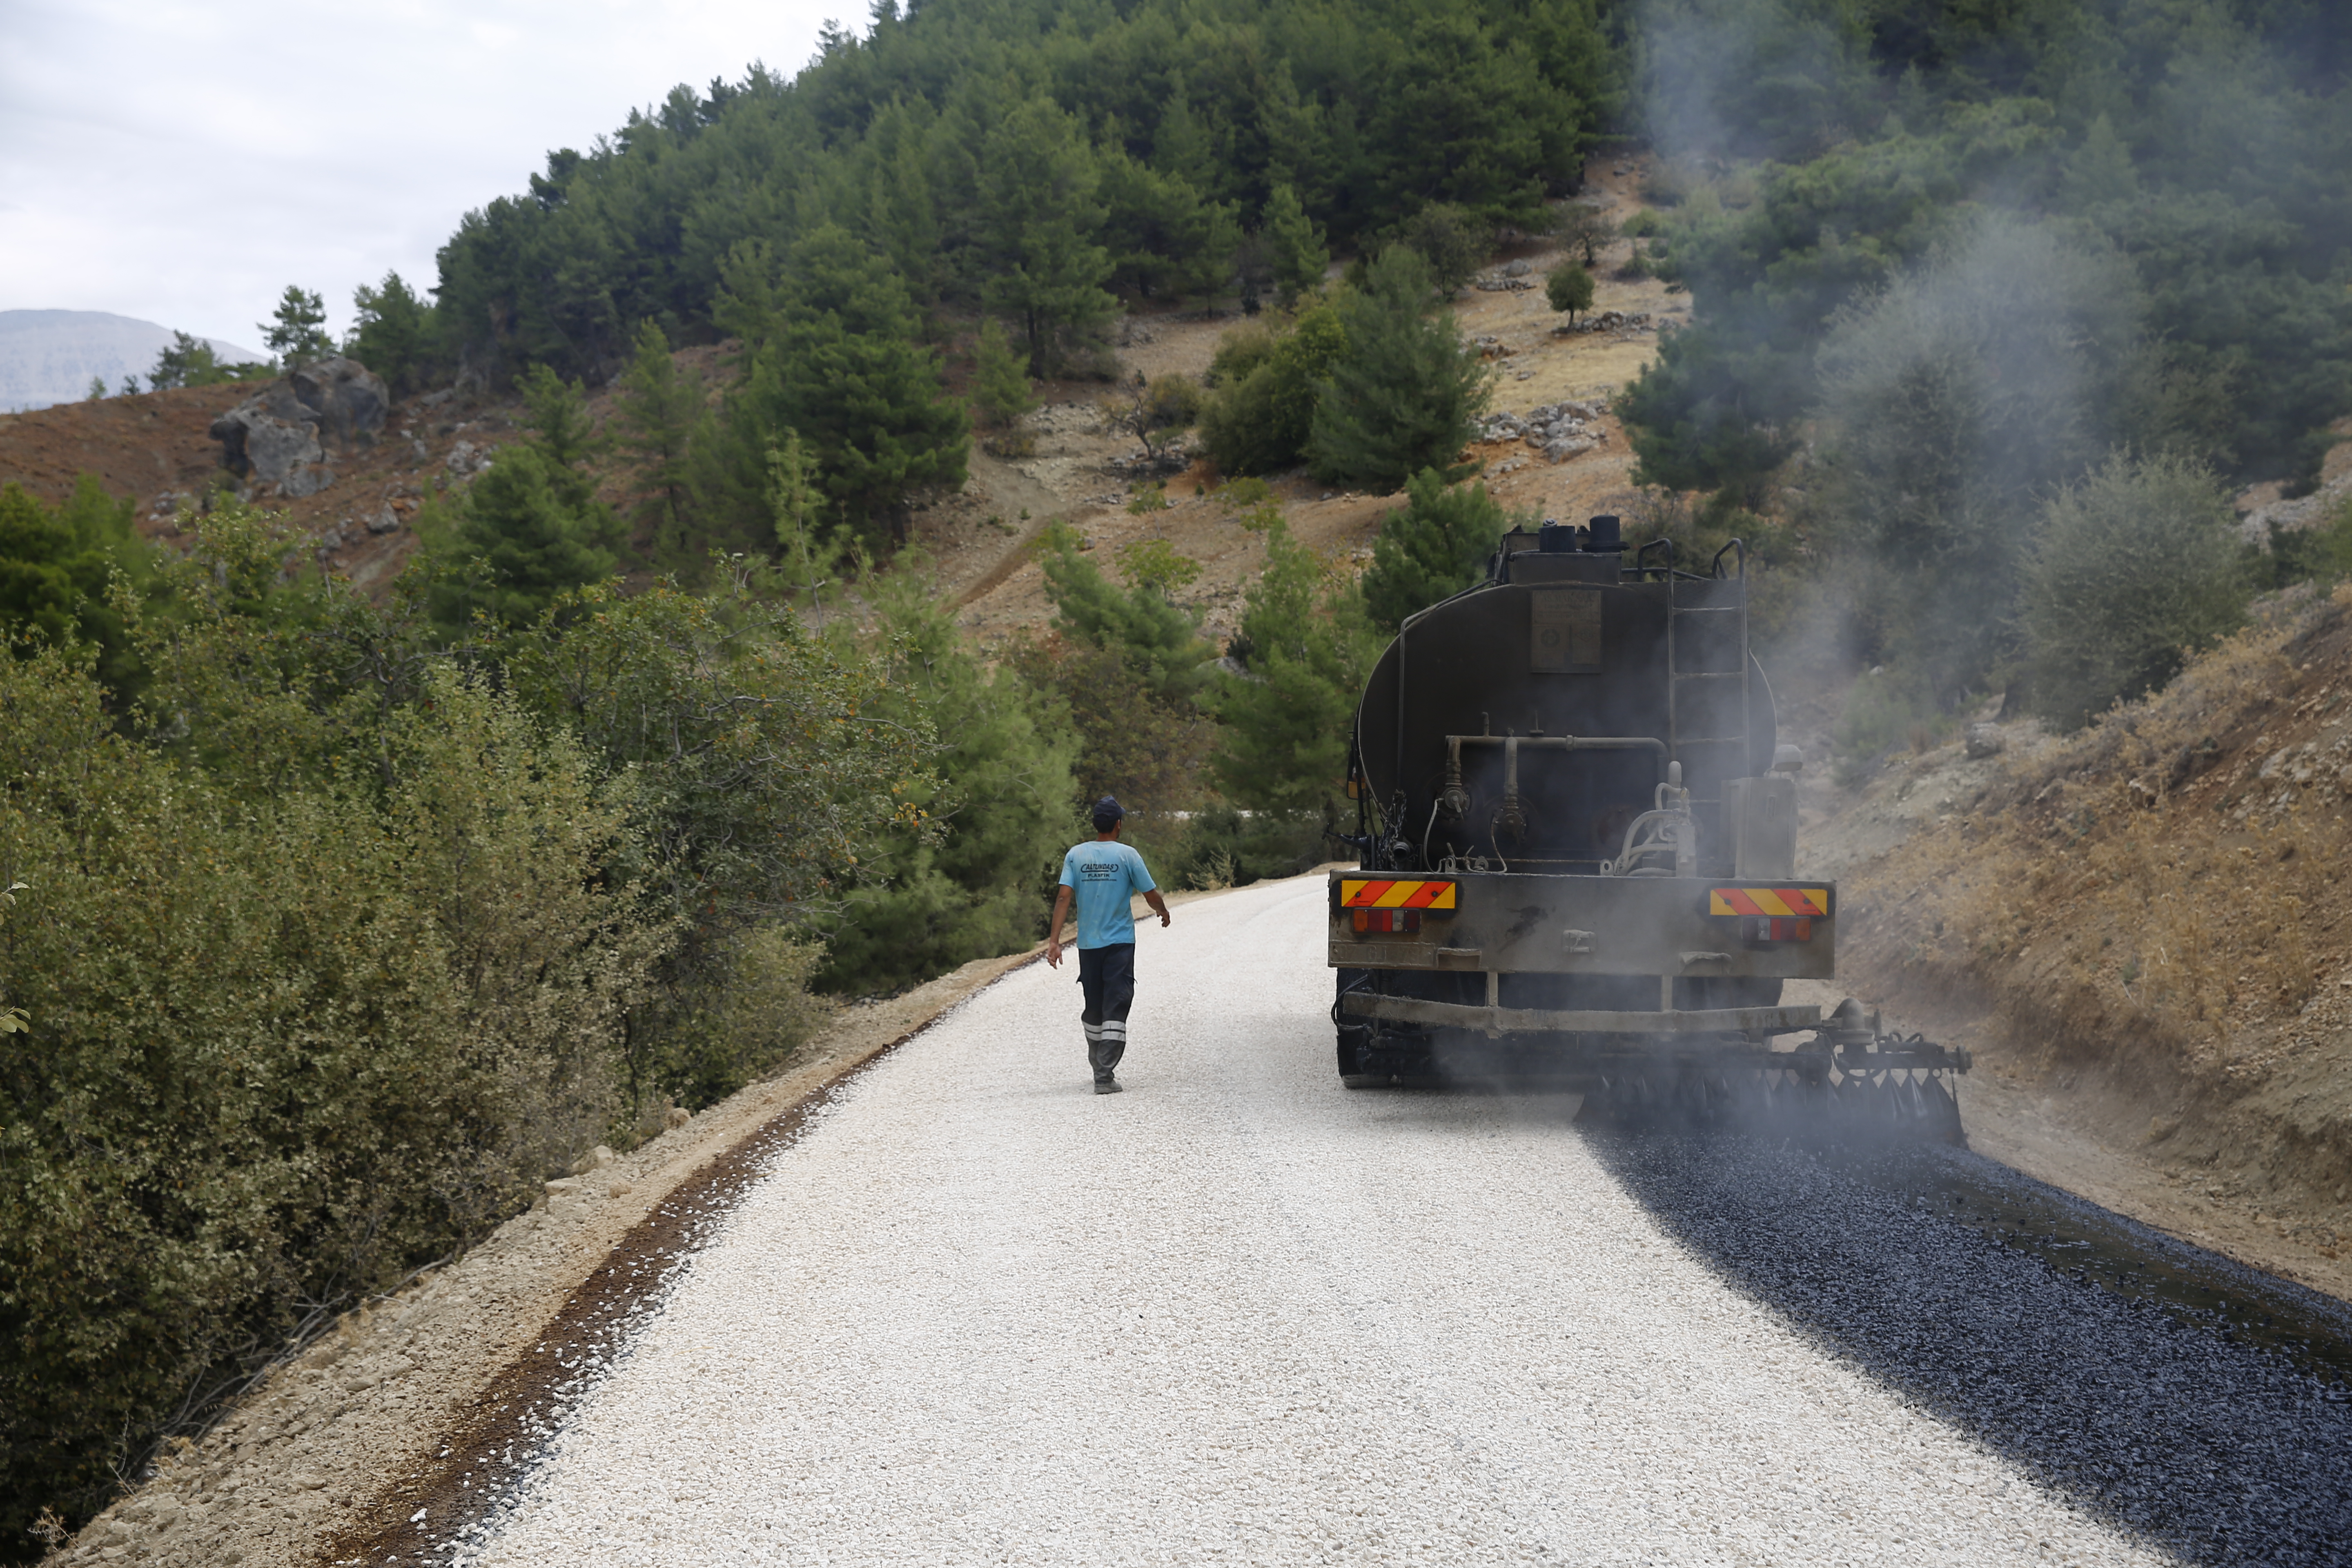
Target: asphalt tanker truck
x,y
1577,858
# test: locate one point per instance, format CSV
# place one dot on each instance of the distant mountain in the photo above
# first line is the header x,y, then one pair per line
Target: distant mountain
x,y
48,356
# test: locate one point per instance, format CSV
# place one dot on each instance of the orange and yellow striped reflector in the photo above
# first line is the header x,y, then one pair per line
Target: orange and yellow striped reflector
x,y
1399,895
1779,901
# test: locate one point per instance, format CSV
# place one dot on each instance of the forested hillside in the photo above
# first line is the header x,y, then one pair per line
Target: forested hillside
x,y
1028,156
1947,262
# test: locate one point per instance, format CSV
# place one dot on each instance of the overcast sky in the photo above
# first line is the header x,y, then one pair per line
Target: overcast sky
x,y
183,162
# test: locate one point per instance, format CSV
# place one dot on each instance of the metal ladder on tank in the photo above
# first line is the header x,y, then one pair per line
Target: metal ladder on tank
x,y
1678,679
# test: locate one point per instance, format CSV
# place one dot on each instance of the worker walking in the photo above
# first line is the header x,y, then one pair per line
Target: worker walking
x,y
1101,878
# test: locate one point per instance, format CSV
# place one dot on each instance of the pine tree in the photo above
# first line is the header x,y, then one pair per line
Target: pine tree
x,y
657,410
1159,641
1039,216
1431,548
808,553
530,527
1295,247
901,214
1001,393
1163,236
515,542
1282,736
1181,146
297,334
97,391
185,361
838,361
392,332
1406,393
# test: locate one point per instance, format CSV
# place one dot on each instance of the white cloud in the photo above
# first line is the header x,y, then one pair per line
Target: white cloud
x,y
183,162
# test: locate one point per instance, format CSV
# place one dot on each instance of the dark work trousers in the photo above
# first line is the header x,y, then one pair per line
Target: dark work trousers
x,y
1108,974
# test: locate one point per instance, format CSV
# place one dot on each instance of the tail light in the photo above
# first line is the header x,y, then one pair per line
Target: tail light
x,y
1386,920
1757,930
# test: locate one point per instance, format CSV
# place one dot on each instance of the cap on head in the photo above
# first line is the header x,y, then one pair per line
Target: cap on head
x,y
1107,814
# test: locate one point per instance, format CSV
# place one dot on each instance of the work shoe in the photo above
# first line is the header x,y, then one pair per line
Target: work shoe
x,y
1107,1085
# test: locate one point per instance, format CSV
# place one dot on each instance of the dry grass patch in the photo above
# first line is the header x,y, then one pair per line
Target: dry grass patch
x,y
2160,901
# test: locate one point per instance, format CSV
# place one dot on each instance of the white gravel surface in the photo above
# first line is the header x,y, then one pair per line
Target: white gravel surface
x,y
979,1314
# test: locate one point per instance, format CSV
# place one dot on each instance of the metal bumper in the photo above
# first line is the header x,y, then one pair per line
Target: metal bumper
x,y
1523,923
1533,1020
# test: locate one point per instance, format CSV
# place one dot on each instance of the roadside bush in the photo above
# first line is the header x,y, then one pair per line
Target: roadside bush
x,y
331,947
280,1051
2132,570
1223,846
768,771
1005,793
756,1013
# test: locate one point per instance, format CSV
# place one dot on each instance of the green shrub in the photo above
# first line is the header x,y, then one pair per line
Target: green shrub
x,y
2131,569
756,1013
1258,418
1405,393
1431,548
1223,846
2302,555
1667,184
1006,792
1568,287
55,568
1887,707
1453,243
280,1051
1284,724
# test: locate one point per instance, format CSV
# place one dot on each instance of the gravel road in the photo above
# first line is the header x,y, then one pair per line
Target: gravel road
x,y
977,1314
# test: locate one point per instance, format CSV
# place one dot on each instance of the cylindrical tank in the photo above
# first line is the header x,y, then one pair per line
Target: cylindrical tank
x,y
1602,670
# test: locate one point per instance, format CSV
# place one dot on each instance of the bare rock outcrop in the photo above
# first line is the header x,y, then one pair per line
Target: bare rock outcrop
x,y
279,435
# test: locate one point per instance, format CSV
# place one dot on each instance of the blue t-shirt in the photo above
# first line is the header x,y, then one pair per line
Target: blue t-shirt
x,y
1105,876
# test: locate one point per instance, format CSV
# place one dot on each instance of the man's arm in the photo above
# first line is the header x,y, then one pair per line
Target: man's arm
x,y
1053,932
1158,905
